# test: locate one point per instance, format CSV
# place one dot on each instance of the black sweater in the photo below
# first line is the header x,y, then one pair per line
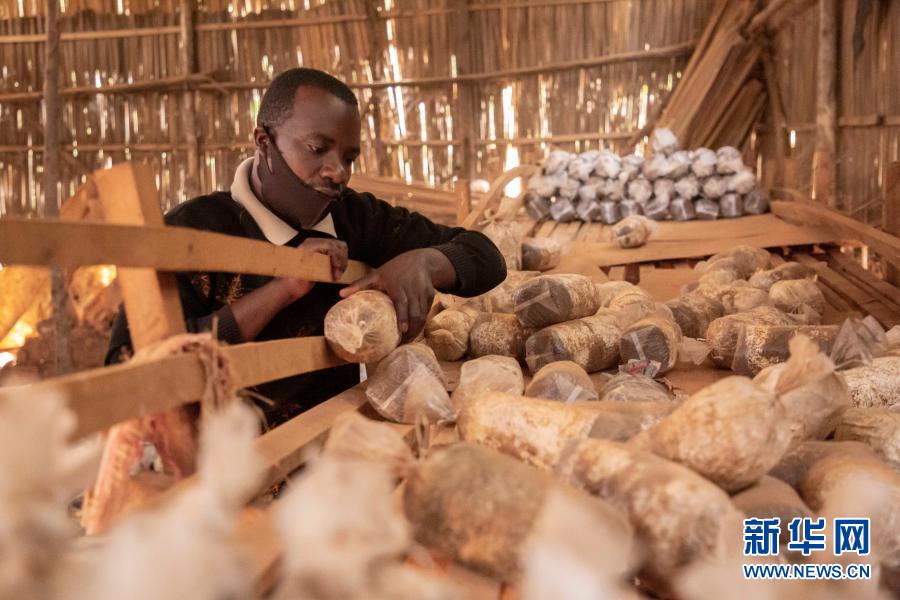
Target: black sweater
x,y
375,232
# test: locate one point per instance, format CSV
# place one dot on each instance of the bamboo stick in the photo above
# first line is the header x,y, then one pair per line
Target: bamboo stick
x,y
206,83
79,36
210,146
624,57
177,82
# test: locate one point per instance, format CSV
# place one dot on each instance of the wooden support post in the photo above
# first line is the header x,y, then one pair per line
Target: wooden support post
x,y
463,200
465,108
633,273
128,196
824,176
375,27
892,214
52,111
188,60
778,116
790,174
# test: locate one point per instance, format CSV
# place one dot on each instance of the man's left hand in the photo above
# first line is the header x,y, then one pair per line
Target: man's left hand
x,y
409,280
335,250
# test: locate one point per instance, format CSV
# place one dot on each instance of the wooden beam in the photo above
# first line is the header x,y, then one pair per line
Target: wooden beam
x,y
892,213
824,175
37,242
102,397
806,214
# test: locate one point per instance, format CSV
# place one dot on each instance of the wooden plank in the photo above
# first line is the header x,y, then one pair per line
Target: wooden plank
x,y
584,232
598,232
692,239
102,397
839,226
879,289
258,362
128,195
546,229
665,284
285,447
849,292
47,243
566,232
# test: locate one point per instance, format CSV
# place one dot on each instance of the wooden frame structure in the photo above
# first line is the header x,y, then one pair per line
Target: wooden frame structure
x,y
154,312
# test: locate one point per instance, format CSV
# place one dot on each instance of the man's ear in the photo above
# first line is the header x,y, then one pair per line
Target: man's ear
x,y
261,138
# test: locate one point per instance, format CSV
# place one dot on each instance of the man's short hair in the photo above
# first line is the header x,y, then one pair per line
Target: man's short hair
x,y
278,101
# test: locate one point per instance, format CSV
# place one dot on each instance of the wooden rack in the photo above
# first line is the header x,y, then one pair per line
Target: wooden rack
x,y
135,239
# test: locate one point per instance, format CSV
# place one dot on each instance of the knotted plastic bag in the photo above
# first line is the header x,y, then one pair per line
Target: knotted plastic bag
x,y
409,385
633,231
362,328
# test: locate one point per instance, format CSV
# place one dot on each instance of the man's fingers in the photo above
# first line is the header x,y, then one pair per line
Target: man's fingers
x,y
401,305
338,264
420,298
368,282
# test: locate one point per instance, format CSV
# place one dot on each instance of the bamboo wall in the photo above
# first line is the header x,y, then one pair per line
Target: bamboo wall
x,y
868,102
506,80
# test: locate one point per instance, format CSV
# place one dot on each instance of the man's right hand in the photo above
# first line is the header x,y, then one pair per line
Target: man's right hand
x,y
336,250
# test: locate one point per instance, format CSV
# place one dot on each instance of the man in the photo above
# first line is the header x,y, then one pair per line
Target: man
x,y
294,192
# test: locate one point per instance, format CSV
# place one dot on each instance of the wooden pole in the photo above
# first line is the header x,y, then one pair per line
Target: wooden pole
x,y
464,110
463,200
375,28
778,116
188,59
52,112
892,213
824,176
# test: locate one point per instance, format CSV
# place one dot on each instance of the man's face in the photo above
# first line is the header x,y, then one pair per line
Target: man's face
x,y
321,139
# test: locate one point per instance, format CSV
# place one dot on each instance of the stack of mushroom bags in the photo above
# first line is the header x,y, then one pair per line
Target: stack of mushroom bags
x,y
667,480
671,183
